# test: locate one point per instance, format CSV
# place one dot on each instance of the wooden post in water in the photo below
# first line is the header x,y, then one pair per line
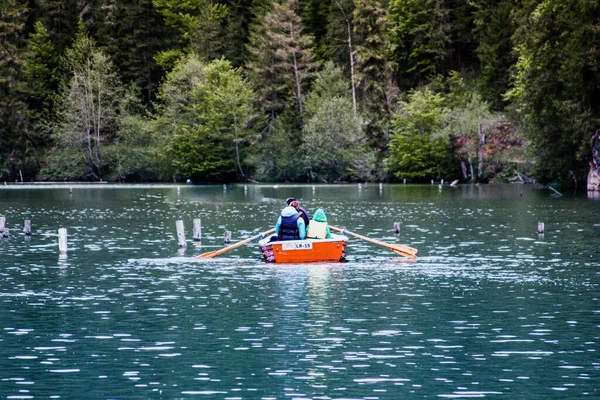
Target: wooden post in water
x,y
405,181
366,185
396,227
432,181
62,240
227,239
197,230
2,226
540,228
27,228
181,234
224,187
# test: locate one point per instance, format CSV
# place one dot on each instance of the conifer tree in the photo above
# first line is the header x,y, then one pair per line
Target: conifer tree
x,y
132,33
41,83
375,73
421,33
60,18
494,29
205,26
341,42
315,15
557,84
280,57
15,146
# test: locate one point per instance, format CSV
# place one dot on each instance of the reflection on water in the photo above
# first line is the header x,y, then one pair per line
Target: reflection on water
x,y
489,309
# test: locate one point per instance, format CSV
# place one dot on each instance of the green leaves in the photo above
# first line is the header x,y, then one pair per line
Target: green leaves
x,y
418,146
208,107
557,84
88,113
333,144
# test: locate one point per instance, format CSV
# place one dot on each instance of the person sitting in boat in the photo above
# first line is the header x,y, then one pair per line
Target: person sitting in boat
x,y
302,210
290,225
318,227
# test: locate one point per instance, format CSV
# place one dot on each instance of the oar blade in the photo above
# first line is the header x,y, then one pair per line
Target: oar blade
x,y
396,248
404,250
404,254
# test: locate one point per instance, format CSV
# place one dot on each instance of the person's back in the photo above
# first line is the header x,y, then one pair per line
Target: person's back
x,y
290,225
318,227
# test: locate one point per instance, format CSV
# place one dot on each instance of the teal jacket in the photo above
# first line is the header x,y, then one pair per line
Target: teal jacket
x,y
320,217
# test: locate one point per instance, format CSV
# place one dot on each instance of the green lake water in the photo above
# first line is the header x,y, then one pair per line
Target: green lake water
x,y
490,309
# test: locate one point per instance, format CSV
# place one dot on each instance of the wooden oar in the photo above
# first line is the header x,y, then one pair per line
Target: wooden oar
x,y
396,248
215,253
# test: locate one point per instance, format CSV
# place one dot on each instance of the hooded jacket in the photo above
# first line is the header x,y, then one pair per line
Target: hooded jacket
x,y
290,225
318,228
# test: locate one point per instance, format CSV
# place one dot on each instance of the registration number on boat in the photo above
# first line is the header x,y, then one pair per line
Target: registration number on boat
x,y
296,246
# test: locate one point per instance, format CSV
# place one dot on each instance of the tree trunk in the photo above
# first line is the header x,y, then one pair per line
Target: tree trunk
x,y
470,165
480,163
593,178
351,65
237,147
463,167
297,77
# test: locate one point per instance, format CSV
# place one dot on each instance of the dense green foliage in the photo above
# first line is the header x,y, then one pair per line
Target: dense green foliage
x,y
288,90
418,147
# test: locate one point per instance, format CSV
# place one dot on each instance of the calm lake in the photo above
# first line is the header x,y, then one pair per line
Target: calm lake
x,y
490,309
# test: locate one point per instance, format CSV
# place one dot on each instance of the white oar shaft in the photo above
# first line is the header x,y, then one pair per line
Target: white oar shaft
x,y
212,254
397,248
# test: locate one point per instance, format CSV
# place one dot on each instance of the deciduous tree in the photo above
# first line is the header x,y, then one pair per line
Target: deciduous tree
x,y
88,113
419,147
208,107
333,144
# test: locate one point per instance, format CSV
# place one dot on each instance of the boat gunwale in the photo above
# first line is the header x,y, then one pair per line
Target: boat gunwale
x,y
334,239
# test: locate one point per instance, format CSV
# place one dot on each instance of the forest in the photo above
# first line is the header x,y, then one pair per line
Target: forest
x,y
211,91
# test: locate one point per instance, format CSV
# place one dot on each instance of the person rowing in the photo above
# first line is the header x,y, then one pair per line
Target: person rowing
x,y
290,224
300,209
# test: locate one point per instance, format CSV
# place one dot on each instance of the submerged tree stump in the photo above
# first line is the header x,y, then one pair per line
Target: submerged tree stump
x,y
197,230
27,228
62,241
180,234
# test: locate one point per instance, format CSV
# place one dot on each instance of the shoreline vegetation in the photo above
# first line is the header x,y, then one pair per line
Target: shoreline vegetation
x,y
306,91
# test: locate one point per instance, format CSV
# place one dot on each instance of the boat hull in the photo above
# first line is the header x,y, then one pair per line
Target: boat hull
x,y
304,251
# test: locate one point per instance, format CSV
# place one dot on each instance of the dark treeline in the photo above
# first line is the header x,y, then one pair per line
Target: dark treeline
x,y
298,90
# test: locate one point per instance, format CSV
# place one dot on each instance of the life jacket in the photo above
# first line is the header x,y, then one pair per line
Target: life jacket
x,y
317,230
288,228
305,215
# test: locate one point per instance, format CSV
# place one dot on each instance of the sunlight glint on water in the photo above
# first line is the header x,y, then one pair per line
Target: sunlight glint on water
x,y
490,308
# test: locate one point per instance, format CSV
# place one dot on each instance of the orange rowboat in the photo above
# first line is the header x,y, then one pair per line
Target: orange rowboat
x,y
305,251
